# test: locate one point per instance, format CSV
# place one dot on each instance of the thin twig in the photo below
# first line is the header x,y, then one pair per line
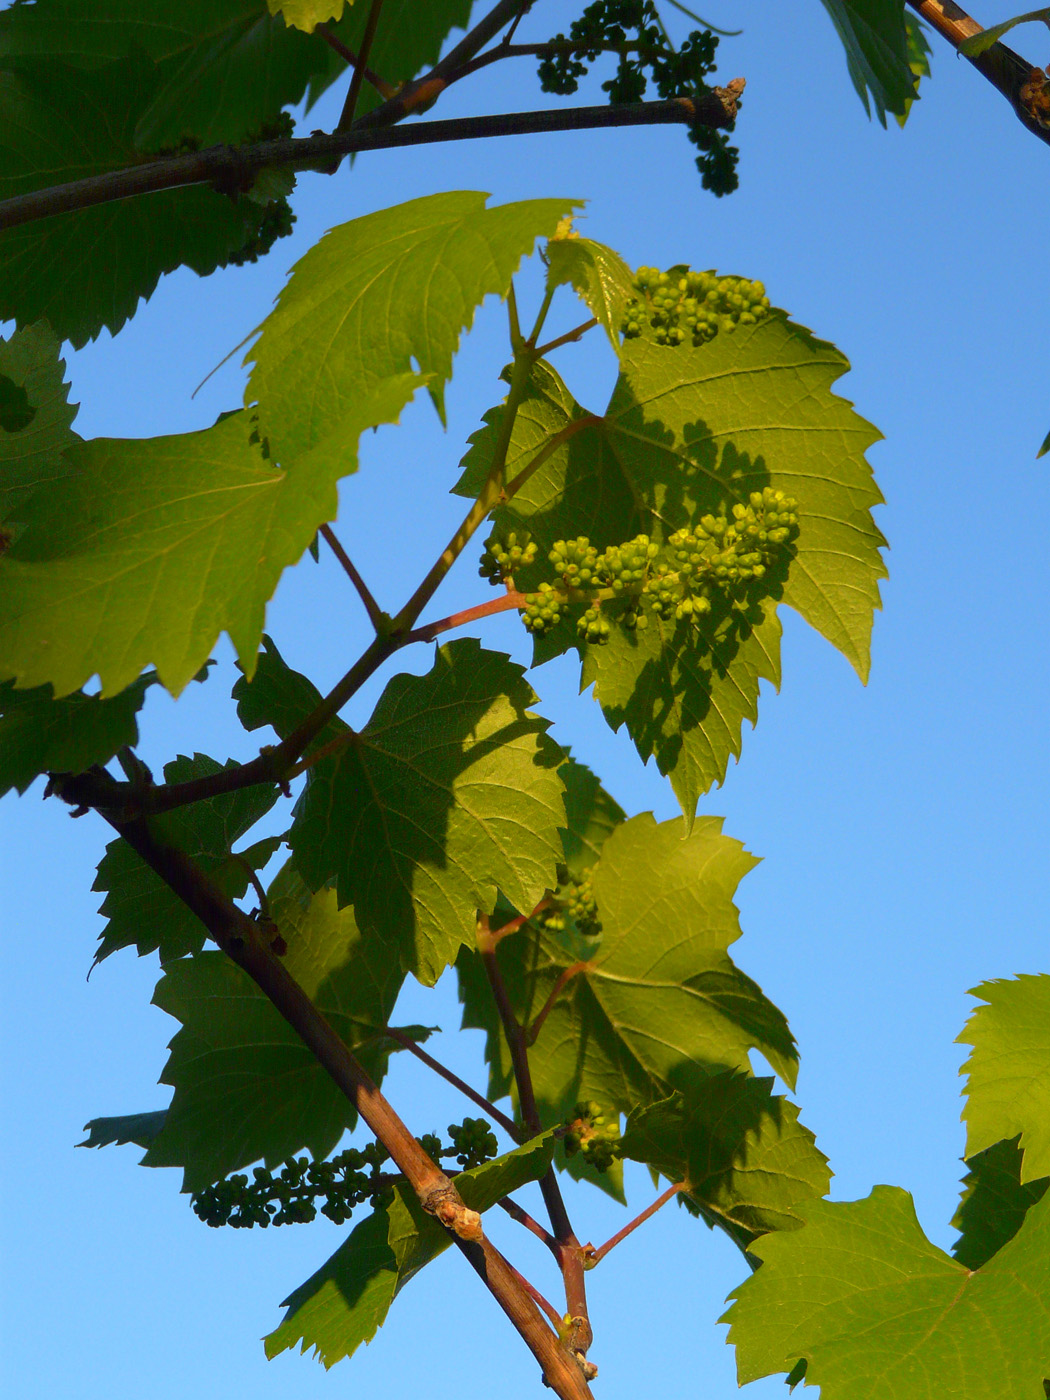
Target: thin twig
x,y
386,90
406,1042
524,1218
346,116
536,1296
566,976
375,614
427,633
594,1256
568,336
1006,70
234,167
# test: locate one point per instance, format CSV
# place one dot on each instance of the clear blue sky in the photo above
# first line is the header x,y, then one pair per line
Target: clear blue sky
x,y
903,826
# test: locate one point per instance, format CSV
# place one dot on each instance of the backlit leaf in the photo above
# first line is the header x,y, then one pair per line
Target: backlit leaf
x,y
246,1087
1008,1071
448,794
600,277
155,546
307,14
879,1313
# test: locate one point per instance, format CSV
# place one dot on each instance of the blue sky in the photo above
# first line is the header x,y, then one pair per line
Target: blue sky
x,y
903,826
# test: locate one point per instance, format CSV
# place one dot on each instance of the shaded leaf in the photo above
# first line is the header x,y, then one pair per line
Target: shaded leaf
x,y
39,734
658,996
246,1087
745,1157
88,269
346,1302
598,275
35,417
919,52
224,67
374,299
876,43
994,1203
139,1128
877,1311
143,911
448,794
591,815
155,546
1008,1071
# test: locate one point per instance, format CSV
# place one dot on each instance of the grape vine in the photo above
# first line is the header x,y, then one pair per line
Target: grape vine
x,y
633,30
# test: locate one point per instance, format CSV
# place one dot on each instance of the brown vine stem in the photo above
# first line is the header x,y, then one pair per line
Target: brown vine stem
x,y
346,116
233,168
1006,70
386,90
570,1255
244,942
372,608
407,1043
595,1256
524,1218
566,977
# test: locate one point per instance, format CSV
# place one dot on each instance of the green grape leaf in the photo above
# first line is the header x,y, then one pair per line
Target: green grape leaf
x,y
876,44
877,1311
598,275
35,415
376,297
307,14
449,793
658,995
62,124
39,734
155,546
246,1087
1008,1071
140,1128
978,44
591,816
409,40
689,431
346,1301
745,1158
919,52
143,911
225,67
994,1203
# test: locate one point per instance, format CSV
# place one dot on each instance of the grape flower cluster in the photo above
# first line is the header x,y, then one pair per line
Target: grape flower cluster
x,y
718,559
289,1197
594,1136
679,305
502,557
632,30
573,901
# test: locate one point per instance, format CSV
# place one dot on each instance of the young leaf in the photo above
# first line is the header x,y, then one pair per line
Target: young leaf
x,y
346,1302
143,912
245,1085
139,1128
598,275
225,67
657,996
878,1311
62,124
375,297
39,734
1008,1071
745,1158
449,793
994,1203
155,546
35,417
876,44
691,431
978,44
